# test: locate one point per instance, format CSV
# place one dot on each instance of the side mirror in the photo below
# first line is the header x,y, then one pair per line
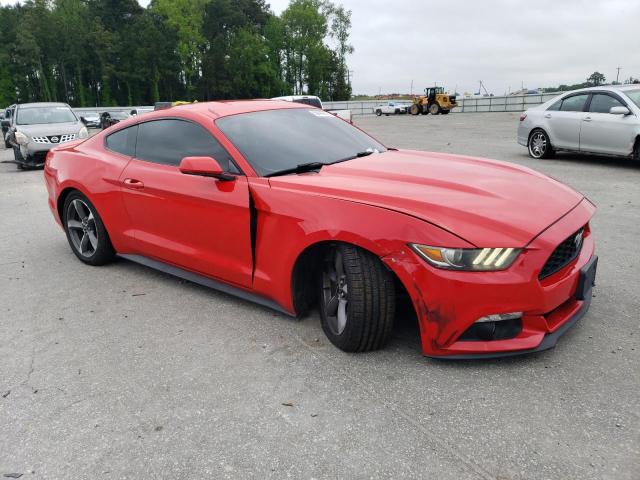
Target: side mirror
x,y
204,167
6,123
619,111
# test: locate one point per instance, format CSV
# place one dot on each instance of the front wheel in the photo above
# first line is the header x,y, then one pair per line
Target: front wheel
x,y
378,112
414,110
357,299
540,145
85,231
434,109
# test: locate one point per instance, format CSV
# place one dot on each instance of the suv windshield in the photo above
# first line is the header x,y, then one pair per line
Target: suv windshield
x,y
634,95
42,115
276,140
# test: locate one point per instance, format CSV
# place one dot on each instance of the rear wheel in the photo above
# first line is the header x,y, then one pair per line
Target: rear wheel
x,y
85,231
434,109
540,145
357,299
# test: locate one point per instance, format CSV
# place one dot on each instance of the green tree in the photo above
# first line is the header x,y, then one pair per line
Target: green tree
x,y
596,78
186,17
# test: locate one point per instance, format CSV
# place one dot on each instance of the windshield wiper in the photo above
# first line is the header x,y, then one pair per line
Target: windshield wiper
x,y
364,153
301,168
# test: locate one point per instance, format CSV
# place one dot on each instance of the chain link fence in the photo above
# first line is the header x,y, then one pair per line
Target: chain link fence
x,y
510,103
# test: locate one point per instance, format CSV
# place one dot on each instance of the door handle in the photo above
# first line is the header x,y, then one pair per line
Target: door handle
x,y
133,183
587,119
548,115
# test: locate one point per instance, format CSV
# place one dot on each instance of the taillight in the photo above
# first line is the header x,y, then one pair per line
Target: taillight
x,y
523,116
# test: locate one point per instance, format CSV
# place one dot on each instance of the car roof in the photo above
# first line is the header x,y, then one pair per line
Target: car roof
x,y
610,88
42,104
227,107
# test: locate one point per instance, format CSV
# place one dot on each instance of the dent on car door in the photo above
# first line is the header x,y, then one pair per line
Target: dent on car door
x,y
564,119
194,222
604,132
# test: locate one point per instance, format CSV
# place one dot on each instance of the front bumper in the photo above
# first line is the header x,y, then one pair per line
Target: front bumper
x,y
448,303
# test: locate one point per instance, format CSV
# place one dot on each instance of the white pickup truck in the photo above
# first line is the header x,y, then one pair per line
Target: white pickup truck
x,y
316,102
391,108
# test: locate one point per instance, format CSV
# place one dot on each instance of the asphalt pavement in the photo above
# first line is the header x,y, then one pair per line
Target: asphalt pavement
x,y
121,372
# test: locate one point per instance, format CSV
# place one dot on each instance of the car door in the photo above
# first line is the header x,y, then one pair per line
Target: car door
x,y
563,120
603,132
198,223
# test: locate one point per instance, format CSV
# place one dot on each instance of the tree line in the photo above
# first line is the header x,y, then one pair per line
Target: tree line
x,y
115,52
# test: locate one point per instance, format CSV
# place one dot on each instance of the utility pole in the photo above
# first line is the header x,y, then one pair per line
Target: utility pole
x,y
618,75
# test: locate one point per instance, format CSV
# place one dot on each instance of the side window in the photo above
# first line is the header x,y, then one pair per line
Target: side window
x,y
574,103
602,103
123,141
169,141
555,106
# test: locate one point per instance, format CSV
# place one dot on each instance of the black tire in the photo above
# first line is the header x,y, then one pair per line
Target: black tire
x,y
434,109
415,109
539,144
378,112
79,209
367,299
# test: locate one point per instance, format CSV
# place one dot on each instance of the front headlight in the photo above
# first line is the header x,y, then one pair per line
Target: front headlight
x,y
83,133
21,138
470,259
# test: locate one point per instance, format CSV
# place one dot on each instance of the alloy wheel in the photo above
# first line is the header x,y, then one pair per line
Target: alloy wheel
x,y
538,144
81,225
335,293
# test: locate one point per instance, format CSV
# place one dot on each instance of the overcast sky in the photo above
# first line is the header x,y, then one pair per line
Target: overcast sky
x,y
505,43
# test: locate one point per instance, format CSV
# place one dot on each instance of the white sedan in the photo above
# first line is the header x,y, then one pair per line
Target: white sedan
x,y
600,120
391,108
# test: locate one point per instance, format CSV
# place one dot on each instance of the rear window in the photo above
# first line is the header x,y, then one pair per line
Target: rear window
x,y
314,102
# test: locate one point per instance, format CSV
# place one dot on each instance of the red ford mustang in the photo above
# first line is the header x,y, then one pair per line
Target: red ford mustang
x,y
289,206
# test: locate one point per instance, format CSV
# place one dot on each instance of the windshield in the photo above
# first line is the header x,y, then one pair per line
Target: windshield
x,y
41,115
276,140
634,95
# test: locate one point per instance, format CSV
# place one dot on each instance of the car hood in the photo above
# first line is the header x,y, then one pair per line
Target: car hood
x,y
485,202
50,128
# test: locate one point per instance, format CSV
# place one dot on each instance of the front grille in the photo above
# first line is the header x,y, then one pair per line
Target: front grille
x,y
54,139
563,255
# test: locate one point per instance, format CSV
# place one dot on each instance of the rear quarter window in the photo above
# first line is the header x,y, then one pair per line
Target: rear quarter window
x,y
123,141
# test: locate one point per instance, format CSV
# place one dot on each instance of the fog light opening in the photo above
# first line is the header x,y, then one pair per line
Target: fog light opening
x,y
497,326
500,317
